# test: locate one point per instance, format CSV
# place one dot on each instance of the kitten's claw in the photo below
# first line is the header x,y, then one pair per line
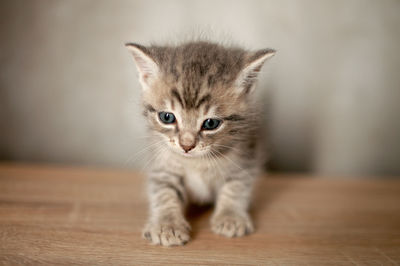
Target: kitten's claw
x,y
167,234
231,224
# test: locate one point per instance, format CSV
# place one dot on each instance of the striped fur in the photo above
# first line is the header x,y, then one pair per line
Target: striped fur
x,y
196,81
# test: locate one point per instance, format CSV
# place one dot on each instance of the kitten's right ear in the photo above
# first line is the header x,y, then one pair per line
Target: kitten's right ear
x,y
147,67
245,81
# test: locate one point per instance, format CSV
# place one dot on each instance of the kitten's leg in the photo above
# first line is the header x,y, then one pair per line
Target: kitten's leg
x,y
230,216
167,225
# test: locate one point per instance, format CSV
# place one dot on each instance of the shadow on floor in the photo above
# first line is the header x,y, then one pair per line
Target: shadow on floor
x,y
266,190
199,217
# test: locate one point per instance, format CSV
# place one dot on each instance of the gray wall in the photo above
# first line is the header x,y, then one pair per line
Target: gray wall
x,y
69,94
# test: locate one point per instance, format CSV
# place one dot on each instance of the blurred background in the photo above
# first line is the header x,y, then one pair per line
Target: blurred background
x,y
69,91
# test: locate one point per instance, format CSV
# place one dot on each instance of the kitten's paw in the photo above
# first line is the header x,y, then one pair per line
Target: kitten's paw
x,y
231,224
167,234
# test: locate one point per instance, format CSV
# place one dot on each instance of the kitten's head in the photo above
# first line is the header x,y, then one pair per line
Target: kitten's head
x,y
197,95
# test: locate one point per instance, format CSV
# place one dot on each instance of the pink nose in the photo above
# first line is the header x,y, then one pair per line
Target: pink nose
x,y
187,148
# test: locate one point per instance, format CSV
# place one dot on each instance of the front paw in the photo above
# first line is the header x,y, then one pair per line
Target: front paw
x,y
231,224
167,233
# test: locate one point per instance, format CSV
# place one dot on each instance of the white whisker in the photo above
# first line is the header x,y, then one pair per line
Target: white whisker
x,y
157,154
225,146
135,156
233,162
214,158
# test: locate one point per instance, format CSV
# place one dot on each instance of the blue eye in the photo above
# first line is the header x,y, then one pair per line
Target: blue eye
x,y
210,124
166,118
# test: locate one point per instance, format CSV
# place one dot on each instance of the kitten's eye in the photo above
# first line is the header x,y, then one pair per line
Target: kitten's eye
x,y
166,118
210,124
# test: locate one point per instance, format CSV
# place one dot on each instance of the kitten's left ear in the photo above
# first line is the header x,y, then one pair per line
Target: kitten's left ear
x,y
248,75
147,67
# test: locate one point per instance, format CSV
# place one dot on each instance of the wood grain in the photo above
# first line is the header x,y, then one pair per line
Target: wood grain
x,y
65,215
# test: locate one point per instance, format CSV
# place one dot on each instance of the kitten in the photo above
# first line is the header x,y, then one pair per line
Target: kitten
x,y
198,102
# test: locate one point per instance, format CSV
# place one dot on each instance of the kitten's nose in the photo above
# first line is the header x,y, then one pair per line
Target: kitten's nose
x,y
187,141
187,148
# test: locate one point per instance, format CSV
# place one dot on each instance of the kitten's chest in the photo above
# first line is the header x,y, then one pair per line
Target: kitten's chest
x,y
201,184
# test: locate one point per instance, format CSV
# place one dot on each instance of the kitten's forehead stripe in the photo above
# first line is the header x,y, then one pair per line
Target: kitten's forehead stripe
x,y
173,70
176,94
203,100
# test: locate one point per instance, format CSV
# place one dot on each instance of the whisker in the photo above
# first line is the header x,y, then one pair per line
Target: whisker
x,y
214,159
229,147
134,157
156,155
233,162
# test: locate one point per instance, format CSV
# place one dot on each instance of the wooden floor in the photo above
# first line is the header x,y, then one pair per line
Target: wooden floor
x,y
61,215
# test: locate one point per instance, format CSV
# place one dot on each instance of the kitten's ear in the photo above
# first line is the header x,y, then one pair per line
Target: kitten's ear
x,y
248,75
147,67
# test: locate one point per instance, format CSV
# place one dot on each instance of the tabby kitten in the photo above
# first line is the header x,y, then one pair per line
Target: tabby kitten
x,y
198,102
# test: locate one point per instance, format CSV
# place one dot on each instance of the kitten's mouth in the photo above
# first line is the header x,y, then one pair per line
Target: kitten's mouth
x,y
190,154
